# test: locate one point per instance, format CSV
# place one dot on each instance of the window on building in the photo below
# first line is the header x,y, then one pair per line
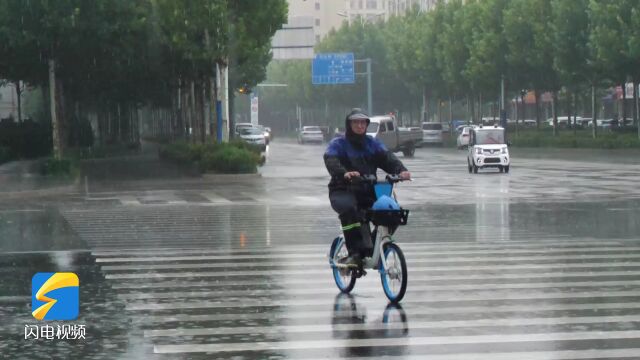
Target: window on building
x,y
317,22
359,4
352,4
372,4
317,5
317,38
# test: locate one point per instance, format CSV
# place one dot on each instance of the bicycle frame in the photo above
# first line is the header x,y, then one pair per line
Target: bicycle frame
x,y
382,238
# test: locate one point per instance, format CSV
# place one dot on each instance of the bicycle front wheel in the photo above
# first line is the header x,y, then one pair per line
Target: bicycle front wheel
x,y
345,278
394,276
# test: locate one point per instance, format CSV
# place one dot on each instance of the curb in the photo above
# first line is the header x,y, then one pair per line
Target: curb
x,y
58,190
231,176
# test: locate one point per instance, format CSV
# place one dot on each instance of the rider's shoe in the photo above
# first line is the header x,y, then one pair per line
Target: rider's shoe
x,y
353,261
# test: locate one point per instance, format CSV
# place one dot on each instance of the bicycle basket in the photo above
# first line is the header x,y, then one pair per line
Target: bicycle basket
x,y
389,218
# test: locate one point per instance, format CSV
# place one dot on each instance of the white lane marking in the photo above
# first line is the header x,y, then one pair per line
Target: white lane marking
x,y
412,269
414,278
308,255
491,296
328,289
413,325
560,244
519,355
385,342
412,307
317,261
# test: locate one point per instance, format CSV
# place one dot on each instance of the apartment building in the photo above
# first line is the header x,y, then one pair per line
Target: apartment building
x,y
310,20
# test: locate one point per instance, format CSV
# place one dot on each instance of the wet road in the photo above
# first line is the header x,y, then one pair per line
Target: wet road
x,y
541,263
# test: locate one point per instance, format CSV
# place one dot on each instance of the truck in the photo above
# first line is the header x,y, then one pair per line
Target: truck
x,y
395,138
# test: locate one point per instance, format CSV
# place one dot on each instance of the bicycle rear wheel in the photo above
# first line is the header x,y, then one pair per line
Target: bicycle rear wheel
x,y
394,276
345,278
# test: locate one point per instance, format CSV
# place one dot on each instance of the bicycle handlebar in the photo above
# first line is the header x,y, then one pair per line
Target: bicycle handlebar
x,y
372,179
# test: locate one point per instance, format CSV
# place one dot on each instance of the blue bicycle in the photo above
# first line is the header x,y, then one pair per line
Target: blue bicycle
x,y
387,257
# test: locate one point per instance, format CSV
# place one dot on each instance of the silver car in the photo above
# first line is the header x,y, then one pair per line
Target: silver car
x,y
432,133
310,134
462,140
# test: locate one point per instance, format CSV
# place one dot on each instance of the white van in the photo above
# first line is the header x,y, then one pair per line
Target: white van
x,y
432,133
487,149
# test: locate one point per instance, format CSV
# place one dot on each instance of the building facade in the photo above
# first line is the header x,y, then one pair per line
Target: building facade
x,y
311,20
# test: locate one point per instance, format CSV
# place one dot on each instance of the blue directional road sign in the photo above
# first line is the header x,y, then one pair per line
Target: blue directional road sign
x,y
332,68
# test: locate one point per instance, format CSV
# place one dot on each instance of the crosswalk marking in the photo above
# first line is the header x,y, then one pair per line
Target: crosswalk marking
x,y
293,281
418,308
411,258
511,322
466,300
241,302
432,253
518,355
407,341
328,288
318,271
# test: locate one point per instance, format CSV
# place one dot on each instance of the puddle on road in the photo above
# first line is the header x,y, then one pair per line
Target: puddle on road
x,y
36,230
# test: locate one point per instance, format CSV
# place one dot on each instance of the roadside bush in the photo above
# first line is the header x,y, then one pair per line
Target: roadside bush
x,y
28,139
226,158
59,167
5,155
230,160
581,139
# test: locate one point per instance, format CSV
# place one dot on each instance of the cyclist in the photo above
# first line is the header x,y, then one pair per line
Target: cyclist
x,y
346,158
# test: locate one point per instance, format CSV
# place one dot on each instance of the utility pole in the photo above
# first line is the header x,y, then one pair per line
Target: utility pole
x,y
369,89
503,111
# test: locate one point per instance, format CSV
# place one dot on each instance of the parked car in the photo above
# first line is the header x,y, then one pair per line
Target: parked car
x,y
462,141
584,122
395,138
564,122
310,134
253,136
265,133
239,126
487,149
602,123
432,133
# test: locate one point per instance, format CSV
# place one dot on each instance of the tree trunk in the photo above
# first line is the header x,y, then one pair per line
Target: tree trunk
x,y
537,97
636,106
594,115
517,113
425,105
480,112
554,99
450,110
624,100
55,126
472,103
575,113
19,97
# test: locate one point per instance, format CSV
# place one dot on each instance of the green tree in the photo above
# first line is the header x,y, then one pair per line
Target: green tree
x,y
530,45
614,38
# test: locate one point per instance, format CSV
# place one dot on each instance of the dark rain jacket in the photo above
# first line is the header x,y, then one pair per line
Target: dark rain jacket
x,y
342,156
